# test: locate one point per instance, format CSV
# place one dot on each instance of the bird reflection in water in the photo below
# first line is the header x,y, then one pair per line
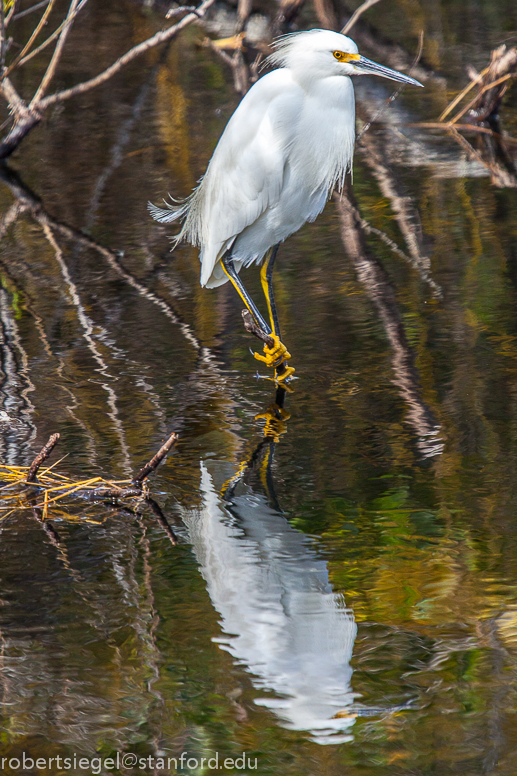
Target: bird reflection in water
x,y
279,615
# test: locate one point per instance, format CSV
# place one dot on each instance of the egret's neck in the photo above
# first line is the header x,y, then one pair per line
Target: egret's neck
x,y
319,82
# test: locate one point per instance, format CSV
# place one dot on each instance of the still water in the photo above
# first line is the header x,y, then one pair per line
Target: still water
x,y
343,596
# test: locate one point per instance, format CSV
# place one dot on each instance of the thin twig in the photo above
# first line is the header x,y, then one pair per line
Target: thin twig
x,y
357,13
3,41
56,56
10,14
462,94
32,38
181,9
397,91
41,457
478,95
141,48
33,8
43,45
155,461
447,125
325,13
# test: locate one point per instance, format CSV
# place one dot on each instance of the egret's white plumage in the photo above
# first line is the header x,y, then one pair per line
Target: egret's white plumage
x,y
287,145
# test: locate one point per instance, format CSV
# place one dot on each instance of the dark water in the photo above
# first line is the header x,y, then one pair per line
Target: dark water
x,y
343,597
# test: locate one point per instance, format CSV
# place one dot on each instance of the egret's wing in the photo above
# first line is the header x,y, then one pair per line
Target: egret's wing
x,y
246,173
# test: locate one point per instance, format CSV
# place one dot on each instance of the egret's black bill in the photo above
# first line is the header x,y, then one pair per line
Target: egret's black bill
x,y
367,66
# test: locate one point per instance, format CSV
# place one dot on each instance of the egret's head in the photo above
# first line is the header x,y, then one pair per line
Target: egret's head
x,y
322,53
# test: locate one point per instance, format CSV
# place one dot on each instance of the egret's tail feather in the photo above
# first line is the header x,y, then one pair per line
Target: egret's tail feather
x,y
166,215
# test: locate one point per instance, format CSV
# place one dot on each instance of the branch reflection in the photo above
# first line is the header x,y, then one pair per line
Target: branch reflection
x,y
378,288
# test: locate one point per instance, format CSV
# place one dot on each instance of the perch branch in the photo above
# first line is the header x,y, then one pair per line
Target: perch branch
x,y
252,328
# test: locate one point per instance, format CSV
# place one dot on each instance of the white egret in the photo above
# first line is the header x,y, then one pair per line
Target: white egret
x,y
288,144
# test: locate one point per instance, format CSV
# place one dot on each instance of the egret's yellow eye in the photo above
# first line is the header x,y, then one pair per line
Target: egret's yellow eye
x,y
342,57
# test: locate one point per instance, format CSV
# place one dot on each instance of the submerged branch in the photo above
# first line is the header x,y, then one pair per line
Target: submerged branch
x,y
42,457
17,491
155,461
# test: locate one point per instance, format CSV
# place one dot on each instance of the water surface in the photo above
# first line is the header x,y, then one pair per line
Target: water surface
x,y
343,597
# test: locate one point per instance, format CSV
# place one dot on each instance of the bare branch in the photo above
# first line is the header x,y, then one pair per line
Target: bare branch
x,y
325,13
2,35
355,16
41,457
287,11
155,461
16,103
11,12
462,94
160,37
56,56
467,127
43,46
243,12
25,118
252,328
27,11
32,38
477,98
241,76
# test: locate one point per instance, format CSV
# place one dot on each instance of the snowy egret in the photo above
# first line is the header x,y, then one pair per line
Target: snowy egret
x,y
288,144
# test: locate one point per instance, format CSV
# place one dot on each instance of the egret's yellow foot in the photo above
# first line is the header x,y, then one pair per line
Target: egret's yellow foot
x,y
282,377
275,355
276,421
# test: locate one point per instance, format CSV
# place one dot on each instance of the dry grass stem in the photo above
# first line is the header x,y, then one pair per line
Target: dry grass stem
x,y
18,484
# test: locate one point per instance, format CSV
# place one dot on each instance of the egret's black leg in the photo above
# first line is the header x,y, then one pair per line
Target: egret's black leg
x,y
276,355
282,371
266,276
229,268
